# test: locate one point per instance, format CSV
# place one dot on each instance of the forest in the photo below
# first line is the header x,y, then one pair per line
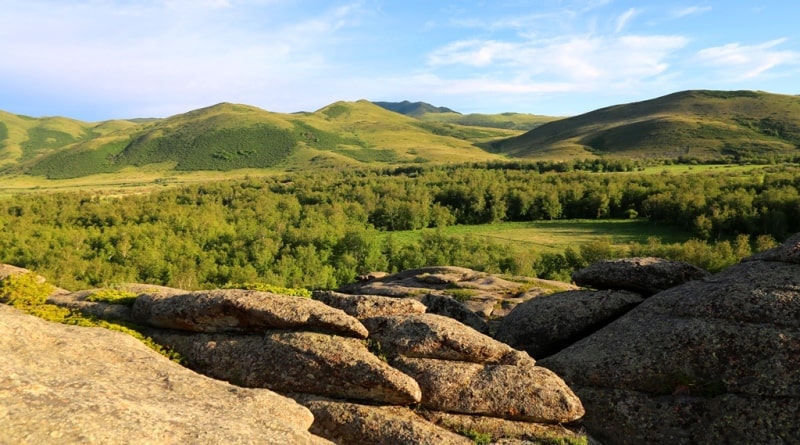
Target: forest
x,y
321,229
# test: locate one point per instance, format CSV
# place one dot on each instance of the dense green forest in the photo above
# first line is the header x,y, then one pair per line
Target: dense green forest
x,y
321,229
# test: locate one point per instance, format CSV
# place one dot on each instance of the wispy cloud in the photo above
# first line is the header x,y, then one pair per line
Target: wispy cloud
x,y
735,61
691,10
578,61
175,53
623,19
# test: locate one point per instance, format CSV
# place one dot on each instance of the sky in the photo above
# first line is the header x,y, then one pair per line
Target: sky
x,y
95,60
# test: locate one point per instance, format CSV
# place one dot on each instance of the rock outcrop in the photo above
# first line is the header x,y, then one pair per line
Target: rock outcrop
x,y
546,324
645,276
528,393
476,299
365,306
357,361
236,310
306,362
66,384
435,336
351,423
715,360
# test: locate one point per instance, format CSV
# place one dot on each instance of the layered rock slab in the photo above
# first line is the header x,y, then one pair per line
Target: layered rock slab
x,y
351,423
236,310
302,362
527,393
436,336
730,340
365,306
69,384
646,276
546,324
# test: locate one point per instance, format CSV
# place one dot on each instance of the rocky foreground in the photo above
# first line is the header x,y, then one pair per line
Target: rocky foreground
x,y
644,351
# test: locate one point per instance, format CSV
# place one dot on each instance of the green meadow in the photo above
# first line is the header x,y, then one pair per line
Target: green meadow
x,y
558,235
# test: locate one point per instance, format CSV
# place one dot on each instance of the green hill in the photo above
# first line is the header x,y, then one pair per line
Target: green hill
x,y
24,139
730,125
701,125
427,112
228,137
508,121
414,109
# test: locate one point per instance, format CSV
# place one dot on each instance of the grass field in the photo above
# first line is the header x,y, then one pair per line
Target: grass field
x,y
555,236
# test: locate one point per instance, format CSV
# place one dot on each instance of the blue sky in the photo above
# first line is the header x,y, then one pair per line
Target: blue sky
x,y
104,59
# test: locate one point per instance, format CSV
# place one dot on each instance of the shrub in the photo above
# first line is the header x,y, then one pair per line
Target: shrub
x,y
265,287
27,289
28,292
113,296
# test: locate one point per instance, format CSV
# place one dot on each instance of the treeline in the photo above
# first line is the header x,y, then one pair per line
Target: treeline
x,y
321,229
713,205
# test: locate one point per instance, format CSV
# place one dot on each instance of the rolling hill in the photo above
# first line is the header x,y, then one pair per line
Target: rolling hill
x,y
427,112
730,126
701,124
228,136
24,138
413,109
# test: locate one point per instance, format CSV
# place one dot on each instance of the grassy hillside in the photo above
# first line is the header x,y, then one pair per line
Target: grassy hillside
x,y
227,137
24,139
733,125
509,121
414,109
429,113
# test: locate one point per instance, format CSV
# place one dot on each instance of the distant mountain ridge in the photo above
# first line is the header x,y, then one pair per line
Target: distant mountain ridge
x,y
728,126
227,136
701,124
414,109
430,113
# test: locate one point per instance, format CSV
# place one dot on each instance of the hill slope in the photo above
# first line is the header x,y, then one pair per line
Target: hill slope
x,y
414,109
734,125
24,138
228,136
427,112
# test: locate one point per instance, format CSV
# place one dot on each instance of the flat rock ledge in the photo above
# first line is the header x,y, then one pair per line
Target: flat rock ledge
x,y
646,276
714,360
236,310
360,383
526,393
292,362
67,384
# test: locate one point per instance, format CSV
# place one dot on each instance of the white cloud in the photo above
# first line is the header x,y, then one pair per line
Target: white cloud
x,y
583,62
178,52
744,62
691,10
623,19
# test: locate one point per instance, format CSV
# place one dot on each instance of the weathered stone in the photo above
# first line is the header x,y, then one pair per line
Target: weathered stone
x,y
104,311
426,279
528,393
306,362
69,384
732,337
365,306
449,307
646,276
474,298
435,336
499,429
544,325
235,310
350,423
634,418
7,270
